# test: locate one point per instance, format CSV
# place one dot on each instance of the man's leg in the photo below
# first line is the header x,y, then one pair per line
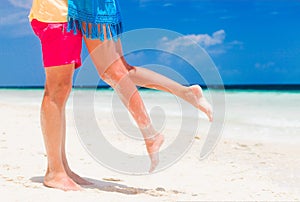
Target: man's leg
x,y
79,180
57,89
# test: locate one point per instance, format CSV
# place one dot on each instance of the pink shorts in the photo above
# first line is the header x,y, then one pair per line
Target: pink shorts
x,y
59,47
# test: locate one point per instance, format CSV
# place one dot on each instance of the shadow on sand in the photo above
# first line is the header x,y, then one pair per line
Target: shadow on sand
x,y
106,185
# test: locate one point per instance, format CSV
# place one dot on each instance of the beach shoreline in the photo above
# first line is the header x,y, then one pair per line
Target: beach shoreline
x,y
256,158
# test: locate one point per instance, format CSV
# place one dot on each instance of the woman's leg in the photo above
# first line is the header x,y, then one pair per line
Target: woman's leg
x,y
113,71
57,89
150,79
192,94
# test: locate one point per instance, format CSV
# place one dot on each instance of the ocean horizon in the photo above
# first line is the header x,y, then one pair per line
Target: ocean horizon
x,y
230,87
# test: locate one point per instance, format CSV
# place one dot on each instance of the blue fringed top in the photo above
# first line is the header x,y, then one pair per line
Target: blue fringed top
x,y
94,13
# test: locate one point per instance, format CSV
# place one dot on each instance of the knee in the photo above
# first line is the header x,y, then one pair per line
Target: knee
x,y
132,72
58,93
127,66
114,74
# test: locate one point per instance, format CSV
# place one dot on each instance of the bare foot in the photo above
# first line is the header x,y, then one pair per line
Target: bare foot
x,y
60,181
199,101
153,147
79,180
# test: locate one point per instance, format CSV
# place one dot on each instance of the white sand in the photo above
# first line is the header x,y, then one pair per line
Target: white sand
x,y
249,169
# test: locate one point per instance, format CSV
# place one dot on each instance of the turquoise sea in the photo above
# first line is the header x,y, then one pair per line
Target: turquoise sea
x,y
263,115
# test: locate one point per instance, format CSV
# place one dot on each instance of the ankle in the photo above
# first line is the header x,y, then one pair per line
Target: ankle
x,y
187,91
50,176
55,171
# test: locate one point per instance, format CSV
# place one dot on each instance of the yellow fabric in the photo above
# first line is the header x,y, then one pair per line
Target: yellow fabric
x,y
49,10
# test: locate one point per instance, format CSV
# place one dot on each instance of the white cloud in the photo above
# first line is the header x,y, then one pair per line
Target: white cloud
x,y
136,58
227,17
164,3
263,66
214,44
21,3
143,3
274,13
17,14
168,5
203,40
14,19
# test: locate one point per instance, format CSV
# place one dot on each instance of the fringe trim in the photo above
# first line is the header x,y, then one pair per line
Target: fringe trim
x,y
94,31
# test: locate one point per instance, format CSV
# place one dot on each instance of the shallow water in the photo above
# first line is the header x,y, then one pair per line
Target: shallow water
x,y
263,115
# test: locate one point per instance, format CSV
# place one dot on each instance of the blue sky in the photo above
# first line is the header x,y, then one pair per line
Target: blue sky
x,y
250,41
